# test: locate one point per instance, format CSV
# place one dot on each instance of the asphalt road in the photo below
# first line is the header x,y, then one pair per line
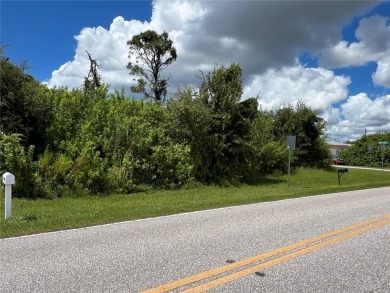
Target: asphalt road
x,y
138,255
361,168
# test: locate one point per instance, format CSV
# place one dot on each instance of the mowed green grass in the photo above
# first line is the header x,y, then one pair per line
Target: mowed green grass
x,y
36,216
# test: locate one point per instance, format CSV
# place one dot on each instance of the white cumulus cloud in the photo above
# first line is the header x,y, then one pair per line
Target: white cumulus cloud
x,y
373,45
265,38
317,87
358,114
374,40
258,35
382,73
108,47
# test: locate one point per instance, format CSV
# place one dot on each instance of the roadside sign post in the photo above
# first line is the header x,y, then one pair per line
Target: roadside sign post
x,y
289,165
370,151
383,145
291,141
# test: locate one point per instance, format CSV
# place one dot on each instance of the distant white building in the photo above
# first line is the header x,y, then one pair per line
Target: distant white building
x,y
336,147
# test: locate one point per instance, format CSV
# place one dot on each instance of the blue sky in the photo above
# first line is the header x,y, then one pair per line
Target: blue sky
x,y
289,50
42,32
361,76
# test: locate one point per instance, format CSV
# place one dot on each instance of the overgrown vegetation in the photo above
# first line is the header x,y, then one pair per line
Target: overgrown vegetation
x,y
366,151
60,142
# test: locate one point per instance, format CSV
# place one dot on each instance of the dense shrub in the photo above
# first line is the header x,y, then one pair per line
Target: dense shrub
x,y
308,127
91,141
357,154
16,159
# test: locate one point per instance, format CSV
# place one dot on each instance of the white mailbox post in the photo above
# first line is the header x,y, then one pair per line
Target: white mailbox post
x,y
8,181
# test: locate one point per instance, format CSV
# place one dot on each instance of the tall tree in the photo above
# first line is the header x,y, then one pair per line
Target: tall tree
x,y
220,91
308,127
23,106
153,53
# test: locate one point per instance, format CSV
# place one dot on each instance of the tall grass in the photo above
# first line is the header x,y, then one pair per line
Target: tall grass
x,y
35,216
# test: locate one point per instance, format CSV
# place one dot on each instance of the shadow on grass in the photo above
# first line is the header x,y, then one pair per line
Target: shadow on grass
x,y
30,219
264,181
26,219
278,178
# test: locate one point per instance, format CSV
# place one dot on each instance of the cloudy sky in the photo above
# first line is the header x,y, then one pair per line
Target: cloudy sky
x,y
333,55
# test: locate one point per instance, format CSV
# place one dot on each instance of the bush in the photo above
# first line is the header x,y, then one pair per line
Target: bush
x,y
91,142
357,154
89,171
16,159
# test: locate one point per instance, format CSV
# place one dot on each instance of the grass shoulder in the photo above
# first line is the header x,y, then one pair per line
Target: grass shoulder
x,y
36,216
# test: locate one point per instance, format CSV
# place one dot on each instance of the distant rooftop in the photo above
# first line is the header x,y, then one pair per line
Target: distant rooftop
x,y
335,143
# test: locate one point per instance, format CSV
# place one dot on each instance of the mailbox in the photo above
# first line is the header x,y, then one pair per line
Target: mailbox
x,y
342,170
340,173
8,179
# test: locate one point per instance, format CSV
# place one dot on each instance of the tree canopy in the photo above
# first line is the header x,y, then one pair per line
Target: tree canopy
x,y
308,127
153,53
23,107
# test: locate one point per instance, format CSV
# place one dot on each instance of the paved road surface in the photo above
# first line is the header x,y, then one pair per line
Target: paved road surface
x,y
361,168
138,255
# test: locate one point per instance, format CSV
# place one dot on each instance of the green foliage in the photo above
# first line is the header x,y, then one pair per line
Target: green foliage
x,y
357,154
267,154
191,123
71,109
89,170
170,165
154,52
118,144
308,127
52,174
91,141
23,110
150,156
227,147
16,159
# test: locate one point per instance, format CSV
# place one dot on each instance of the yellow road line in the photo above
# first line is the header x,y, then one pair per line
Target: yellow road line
x,y
245,262
252,270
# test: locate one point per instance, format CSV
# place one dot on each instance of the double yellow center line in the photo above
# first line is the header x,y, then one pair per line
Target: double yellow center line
x,y
240,268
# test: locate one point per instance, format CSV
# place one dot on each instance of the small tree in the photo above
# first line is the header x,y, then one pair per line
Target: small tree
x,y
154,53
227,145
